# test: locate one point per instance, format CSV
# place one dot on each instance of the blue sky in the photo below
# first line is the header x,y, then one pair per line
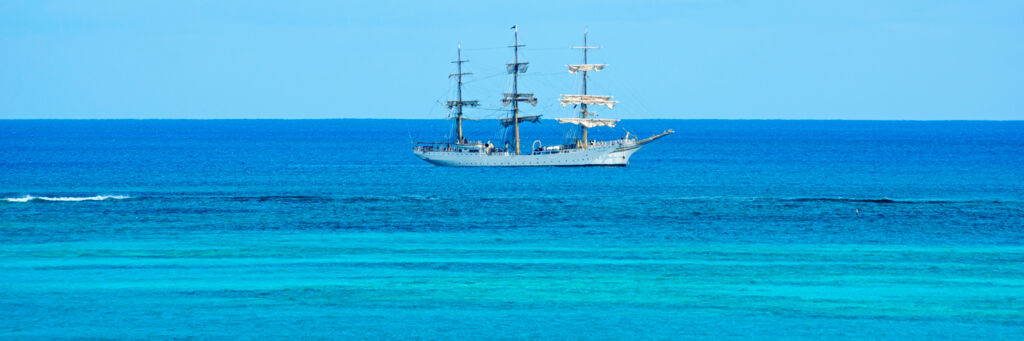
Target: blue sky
x,y
667,59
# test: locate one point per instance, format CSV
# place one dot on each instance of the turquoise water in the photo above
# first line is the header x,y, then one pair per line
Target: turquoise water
x,y
333,229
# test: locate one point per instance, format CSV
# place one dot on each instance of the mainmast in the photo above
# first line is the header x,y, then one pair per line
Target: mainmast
x,y
515,87
459,103
515,68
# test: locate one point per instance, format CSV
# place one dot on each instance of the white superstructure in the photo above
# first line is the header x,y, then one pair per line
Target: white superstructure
x,y
580,151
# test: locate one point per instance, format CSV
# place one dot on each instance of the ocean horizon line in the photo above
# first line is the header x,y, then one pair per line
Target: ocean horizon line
x,y
439,119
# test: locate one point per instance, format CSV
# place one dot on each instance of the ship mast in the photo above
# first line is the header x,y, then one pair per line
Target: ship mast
x,y
585,99
583,107
515,68
458,103
515,87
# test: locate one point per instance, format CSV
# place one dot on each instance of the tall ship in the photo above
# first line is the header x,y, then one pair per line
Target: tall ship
x,y
578,150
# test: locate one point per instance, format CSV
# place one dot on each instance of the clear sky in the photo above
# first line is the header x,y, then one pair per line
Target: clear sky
x,y
667,59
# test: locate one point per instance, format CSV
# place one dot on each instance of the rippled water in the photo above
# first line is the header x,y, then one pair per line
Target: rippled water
x,y
333,229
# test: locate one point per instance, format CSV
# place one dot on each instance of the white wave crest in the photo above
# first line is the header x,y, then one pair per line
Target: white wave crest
x,y
28,198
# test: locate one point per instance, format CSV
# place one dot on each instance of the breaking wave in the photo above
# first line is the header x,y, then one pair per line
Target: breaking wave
x,y
28,198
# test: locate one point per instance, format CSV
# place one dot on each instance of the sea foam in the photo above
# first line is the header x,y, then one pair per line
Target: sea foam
x,y
28,198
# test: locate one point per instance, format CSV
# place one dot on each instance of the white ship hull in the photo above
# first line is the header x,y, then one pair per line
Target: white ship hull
x,y
605,155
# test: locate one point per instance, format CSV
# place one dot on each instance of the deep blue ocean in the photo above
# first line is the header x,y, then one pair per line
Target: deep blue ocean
x,y
147,229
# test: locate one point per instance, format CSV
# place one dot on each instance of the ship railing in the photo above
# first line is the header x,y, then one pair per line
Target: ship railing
x,y
452,147
560,149
572,148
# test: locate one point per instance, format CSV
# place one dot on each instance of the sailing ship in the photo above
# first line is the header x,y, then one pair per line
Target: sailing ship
x,y
578,151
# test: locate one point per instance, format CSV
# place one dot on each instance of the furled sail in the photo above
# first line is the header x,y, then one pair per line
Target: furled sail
x,y
505,122
573,69
521,97
473,103
588,99
522,67
590,122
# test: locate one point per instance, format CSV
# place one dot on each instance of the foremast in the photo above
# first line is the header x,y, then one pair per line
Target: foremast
x,y
458,103
585,99
583,107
